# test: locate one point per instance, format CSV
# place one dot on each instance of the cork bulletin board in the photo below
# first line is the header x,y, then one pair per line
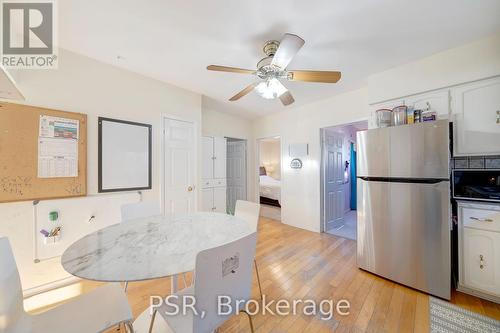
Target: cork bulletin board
x,y
20,177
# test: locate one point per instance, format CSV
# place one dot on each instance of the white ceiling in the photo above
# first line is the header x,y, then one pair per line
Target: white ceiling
x,y
174,40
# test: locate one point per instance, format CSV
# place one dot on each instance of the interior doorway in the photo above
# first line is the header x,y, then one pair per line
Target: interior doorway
x,y
236,172
338,181
269,158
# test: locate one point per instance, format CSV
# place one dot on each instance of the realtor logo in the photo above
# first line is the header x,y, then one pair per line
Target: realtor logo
x,y
28,34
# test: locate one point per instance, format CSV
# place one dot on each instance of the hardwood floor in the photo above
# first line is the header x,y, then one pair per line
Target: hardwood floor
x,y
298,264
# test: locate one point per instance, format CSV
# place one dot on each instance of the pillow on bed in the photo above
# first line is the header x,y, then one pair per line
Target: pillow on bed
x,y
263,171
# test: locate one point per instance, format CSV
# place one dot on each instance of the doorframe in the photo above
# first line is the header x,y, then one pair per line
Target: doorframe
x,y
197,142
322,177
257,165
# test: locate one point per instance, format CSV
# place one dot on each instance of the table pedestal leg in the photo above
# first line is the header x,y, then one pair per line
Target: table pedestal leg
x,y
173,284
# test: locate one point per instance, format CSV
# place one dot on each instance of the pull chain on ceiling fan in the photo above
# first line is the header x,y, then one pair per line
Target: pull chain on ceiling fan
x,y
273,68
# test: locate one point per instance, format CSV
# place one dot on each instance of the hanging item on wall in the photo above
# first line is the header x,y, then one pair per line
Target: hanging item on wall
x,y
296,163
298,149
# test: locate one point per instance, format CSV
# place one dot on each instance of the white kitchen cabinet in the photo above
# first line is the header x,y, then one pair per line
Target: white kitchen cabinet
x,y
219,199
481,260
213,193
476,111
219,158
207,199
479,249
207,154
213,199
437,101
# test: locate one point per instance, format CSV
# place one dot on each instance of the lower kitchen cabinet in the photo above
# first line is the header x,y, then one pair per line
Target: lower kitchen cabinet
x,y
479,250
213,199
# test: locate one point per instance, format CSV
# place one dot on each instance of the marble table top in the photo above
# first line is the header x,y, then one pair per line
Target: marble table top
x,y
150,248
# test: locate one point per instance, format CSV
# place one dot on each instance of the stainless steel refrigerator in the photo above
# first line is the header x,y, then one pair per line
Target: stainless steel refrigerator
x,y
404,205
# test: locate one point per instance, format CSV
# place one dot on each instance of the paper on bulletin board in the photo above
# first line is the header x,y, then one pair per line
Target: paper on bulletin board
x,y
55,127
58,147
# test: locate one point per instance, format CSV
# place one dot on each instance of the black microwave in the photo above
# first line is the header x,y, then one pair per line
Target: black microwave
x,y
483,184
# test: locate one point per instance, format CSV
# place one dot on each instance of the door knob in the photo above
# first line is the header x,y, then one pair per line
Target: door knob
x,y
190,188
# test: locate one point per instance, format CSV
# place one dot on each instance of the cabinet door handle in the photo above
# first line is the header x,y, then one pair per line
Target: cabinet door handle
x,y
480,220
481,261
498,116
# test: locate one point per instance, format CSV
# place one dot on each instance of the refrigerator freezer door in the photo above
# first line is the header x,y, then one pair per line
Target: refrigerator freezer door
x,y
409,151
404,233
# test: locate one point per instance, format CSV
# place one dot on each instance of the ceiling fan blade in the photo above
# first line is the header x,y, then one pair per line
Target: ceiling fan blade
x,y
286,98
230,69
244,92
289,46
314,76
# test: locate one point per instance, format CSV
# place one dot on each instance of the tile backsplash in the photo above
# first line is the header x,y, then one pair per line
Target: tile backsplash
x,y
475,162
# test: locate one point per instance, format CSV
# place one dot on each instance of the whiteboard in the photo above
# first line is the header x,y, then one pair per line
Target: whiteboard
x,y
124,155
77,217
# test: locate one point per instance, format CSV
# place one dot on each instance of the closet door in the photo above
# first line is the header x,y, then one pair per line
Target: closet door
x,y
207,152
207,199
219,157
219,199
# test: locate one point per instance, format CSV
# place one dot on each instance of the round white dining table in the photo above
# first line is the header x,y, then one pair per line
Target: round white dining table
x,y
150,248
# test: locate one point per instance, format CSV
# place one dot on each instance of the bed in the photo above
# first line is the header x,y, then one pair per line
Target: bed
x,y
269,189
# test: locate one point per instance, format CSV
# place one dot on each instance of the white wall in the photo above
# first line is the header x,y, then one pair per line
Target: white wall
x,y
301,188
223,124
300,193
469,62
270,154
97,89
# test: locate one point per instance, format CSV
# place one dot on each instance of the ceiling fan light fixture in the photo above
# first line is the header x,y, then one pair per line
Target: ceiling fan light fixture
x,y
270,89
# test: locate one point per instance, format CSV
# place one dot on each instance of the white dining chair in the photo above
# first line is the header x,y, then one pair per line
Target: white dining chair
x,y
95,311
225,270
249,212
140,209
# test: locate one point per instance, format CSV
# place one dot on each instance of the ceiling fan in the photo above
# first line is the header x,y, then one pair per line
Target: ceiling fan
x,y
273,68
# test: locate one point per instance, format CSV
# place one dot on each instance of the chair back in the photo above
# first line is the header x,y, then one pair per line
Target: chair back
x,y
13,319
140,209
249,212
225,270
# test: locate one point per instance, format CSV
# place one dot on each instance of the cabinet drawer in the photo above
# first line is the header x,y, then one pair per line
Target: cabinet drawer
x,y
218,182
479,218
206,183
481,260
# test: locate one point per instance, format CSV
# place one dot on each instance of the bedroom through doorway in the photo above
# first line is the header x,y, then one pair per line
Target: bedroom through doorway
x,y
269,157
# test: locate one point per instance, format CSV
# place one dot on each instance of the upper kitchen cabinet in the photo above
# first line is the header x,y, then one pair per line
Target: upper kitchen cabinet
x,y
476,109
437,101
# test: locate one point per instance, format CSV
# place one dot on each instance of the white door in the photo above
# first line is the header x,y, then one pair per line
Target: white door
x,y
219,200
219,157
236,173
334,180
180,167
207,157
207,199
